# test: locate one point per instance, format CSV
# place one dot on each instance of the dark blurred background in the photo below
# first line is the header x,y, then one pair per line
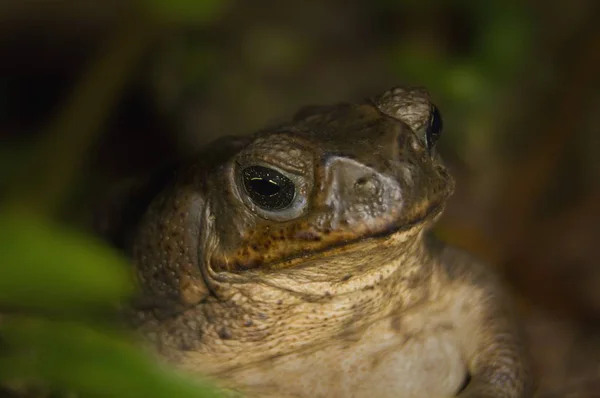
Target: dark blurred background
x,y
95,92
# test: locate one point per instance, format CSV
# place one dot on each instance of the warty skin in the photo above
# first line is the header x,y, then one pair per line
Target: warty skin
x,y
342,293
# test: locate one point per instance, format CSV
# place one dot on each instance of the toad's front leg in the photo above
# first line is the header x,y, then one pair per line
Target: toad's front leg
x,y
497,361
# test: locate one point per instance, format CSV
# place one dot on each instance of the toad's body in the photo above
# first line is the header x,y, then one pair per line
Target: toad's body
x,y
295,263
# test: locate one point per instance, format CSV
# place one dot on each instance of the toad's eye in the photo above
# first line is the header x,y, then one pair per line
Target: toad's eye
x,y
268,188
434,127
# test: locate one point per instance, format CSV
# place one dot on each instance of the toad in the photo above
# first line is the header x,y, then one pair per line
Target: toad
x,y
296,262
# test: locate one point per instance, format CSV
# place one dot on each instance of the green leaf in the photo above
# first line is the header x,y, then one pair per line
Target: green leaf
x,y
46,266
467,83
72,357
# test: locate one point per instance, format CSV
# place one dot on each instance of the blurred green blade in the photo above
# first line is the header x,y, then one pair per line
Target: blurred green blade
x,y
45,266
73,357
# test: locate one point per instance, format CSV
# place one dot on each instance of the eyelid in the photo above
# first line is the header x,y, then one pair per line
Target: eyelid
x,y
289,172
289,166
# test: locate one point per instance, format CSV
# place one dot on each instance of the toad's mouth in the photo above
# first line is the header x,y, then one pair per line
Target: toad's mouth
x,y
300,253
351,244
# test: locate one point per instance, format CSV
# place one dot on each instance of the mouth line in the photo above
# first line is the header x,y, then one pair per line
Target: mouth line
x,y
293,259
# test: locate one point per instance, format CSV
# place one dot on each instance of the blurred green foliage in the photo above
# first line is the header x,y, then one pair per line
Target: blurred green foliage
x,y
472,84
57,285
71,356
501,41
53,281
46,266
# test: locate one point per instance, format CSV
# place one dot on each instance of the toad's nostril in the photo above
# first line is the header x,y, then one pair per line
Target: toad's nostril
x,y
367,185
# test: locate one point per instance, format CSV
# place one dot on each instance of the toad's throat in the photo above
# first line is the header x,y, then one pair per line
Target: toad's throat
x,y
307,250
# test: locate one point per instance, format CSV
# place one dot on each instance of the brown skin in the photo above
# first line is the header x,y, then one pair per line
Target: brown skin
x,y
340,293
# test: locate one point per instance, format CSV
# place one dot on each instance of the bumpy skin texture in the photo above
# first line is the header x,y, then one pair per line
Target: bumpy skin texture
x,y
341,293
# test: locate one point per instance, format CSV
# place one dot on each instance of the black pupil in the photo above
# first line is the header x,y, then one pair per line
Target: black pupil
x,y
263,186
268,188
434,128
